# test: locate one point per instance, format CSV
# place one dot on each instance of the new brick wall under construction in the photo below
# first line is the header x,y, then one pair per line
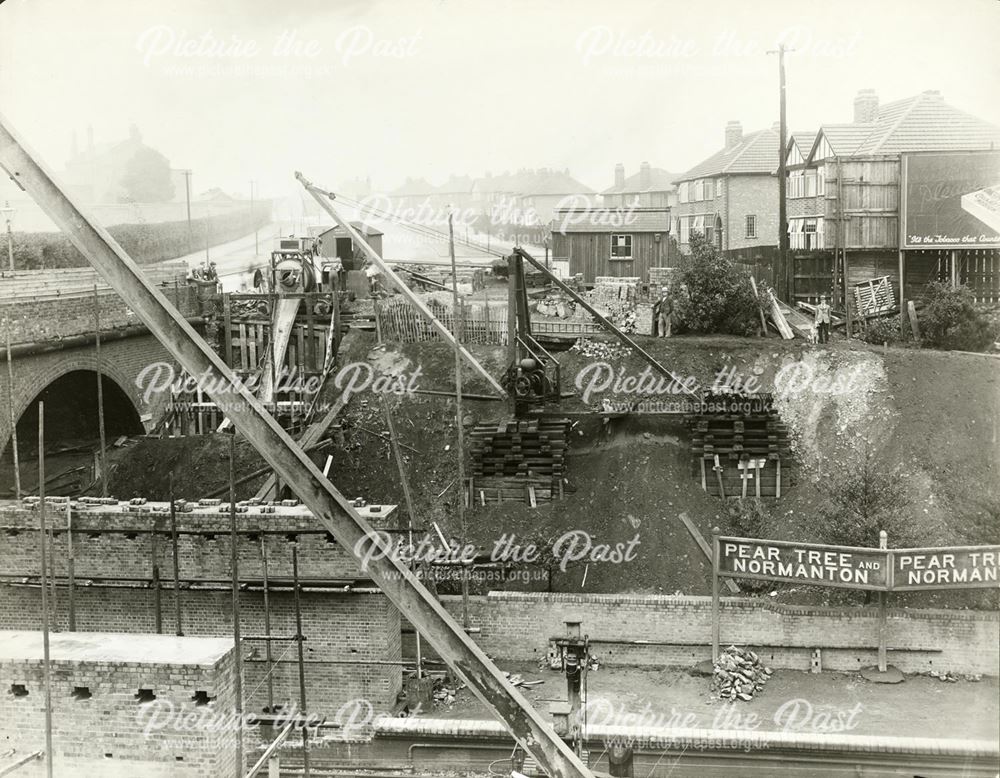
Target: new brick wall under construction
x,y
658,630
352,631
101,724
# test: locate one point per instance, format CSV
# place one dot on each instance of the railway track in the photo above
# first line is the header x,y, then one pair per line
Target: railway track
x,y
658,754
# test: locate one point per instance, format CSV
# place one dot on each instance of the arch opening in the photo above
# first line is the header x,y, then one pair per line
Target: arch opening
x,y
71,415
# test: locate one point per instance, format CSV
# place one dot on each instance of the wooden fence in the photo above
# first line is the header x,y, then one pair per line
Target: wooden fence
x,y
483,325
804,276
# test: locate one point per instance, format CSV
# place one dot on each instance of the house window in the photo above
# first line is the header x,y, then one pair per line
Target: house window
x,y
806,234
751,226
821,181
810,181
621,247
684,229
682,192
718,188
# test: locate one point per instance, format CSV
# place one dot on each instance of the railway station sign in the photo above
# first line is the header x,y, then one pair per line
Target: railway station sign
x,y
844,567
950,200
971,567
871,569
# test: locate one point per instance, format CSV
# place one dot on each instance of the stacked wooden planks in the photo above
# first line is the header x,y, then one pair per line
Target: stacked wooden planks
x,y
518,459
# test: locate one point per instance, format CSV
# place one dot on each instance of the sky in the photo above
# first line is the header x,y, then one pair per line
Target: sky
x,y
251,89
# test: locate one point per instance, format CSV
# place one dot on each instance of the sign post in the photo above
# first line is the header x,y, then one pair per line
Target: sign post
x,y
883,543
715,594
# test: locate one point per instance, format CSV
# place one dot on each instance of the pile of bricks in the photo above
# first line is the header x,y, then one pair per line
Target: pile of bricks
x,y
616,298
739,674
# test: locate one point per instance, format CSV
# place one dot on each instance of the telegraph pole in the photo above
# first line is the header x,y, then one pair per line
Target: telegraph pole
x,y
187,193
9,212
782,182
256,245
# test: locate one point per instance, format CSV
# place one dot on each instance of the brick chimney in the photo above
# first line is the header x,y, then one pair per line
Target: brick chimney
x,y
645,180
734,134
865,106
619,175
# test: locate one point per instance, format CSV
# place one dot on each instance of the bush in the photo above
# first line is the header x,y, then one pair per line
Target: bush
x,y
715,294
950,319
748,517
145,243
885,330
863,498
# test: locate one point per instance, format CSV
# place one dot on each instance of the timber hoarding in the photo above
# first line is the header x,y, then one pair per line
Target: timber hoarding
x,y
950,200
870,569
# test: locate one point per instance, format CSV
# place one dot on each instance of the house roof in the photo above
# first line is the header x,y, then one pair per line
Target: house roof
x,y
659,181
611,220
533,182
804,141
455,185
755,153
412,186
924,122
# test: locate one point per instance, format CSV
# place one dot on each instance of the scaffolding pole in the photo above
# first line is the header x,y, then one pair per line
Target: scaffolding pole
x,y
70,568
47,669
329,506
302,663
176,556
100,393
267,624
459,313
11,416
235,569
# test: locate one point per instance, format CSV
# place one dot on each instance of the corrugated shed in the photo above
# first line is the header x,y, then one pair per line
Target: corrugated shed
x,y
608,220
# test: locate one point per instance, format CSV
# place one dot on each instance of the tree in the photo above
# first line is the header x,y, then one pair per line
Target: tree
x,y
863,499
147,178
716,296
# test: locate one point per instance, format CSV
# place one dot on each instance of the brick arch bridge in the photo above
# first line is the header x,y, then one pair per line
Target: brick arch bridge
x,y
121,363
52,336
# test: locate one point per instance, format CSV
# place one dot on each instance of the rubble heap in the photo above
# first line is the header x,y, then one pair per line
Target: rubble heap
x,y
595,349
739,674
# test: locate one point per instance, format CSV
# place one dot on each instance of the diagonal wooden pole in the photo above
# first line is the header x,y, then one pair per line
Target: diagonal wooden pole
x,y
324,200
278,449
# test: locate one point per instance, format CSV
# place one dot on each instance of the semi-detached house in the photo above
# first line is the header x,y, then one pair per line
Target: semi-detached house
x,y
732,197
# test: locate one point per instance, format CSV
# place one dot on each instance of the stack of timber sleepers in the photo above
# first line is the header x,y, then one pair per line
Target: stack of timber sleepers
x,y
518,459
746,454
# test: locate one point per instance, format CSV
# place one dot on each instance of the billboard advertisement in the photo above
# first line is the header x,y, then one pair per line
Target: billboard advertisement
x,y
950,200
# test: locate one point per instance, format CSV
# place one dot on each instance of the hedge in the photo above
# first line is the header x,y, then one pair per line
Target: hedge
x,y
145,243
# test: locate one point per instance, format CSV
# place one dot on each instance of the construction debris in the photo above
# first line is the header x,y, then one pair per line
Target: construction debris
x,y
739,674
595,349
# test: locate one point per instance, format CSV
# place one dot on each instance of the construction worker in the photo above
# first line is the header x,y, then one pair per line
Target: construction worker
x,y
663,311
372,274
823,319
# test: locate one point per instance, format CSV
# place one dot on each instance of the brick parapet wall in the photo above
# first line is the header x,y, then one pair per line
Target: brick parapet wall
x,y
42,318
104,735
103,546
678,631
342,632
340,628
